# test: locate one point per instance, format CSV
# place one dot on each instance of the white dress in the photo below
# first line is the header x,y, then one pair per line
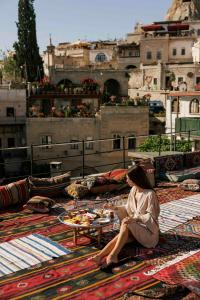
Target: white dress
x,y
144,206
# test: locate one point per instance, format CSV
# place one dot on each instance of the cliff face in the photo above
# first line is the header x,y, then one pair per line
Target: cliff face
x,y
184,10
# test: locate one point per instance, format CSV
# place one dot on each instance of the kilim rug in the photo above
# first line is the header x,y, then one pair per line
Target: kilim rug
x,y
178,212
22,253
72,276
185,272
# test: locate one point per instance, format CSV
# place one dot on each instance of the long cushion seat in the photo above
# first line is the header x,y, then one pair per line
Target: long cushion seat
x,y
177,176
14,193
49,187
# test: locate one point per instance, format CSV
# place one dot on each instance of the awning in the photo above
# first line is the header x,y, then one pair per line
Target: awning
x,y
174,27
152,27
188,124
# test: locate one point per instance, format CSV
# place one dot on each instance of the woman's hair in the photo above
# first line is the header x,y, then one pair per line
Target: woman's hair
x,y
139,177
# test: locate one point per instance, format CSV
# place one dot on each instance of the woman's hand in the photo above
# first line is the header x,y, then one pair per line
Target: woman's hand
x,y
129,220
110,206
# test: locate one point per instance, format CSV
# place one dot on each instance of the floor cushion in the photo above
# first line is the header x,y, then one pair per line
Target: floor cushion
x,y
40,204
77,190
14,193
102,189
49,187
119,175
190,185
177,176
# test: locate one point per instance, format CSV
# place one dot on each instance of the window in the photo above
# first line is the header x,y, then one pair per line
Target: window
x,y
155,81
194,106
175,106
46,140
159,55
180,79
101,57
130,53
116,141
197,80
88,144
183,51
10,111
136,53
11,142
0,143
149,55
174,51
198,31
75,144
131,142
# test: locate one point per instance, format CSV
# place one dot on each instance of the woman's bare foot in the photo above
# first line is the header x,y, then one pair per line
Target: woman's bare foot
x,y
97,259
111,259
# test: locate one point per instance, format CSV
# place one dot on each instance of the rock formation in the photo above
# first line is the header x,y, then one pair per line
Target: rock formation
x,y
184,10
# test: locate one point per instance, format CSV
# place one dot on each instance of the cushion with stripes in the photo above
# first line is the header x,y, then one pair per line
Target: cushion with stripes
x,y
49,187
14,193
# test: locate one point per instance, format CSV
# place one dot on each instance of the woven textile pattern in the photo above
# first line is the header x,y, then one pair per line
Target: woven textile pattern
x,y
185,272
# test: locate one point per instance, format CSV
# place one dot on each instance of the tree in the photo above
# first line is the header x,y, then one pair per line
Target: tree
x,y
160,143
10,69
27,56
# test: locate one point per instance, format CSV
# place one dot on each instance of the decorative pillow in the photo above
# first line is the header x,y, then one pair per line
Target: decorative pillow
x,y
40,204
107,188
14,193
118,175
190,187
77,190
191,181
49,187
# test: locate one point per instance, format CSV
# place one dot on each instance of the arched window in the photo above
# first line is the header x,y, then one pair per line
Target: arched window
x,y
175,106
100,57
194,106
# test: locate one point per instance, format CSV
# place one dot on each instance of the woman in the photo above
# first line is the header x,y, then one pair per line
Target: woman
x,y
139,218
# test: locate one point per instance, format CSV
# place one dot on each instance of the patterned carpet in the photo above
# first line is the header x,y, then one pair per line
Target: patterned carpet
x,y
73,276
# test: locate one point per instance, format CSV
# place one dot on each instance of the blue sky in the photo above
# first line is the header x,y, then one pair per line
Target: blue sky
x,y
69,20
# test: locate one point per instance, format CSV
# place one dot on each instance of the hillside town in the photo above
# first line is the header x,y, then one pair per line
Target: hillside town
x,y
100,163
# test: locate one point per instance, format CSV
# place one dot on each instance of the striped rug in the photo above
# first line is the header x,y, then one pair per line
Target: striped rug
x,y
25,252
178,212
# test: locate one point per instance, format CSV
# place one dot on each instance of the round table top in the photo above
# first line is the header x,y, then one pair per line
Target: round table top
x,y
96,223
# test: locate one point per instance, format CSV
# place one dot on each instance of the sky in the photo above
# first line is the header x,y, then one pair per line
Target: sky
x,y
70,20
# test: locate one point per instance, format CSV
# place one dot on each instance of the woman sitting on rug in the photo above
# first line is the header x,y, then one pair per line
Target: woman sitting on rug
x,y
139,218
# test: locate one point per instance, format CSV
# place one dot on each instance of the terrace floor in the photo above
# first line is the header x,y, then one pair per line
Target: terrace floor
x,y
74,277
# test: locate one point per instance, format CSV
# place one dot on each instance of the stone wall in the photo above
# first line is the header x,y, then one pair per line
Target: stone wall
x,y
122,121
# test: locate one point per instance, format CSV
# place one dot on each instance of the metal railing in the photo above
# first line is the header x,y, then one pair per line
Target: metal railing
x,y
87,156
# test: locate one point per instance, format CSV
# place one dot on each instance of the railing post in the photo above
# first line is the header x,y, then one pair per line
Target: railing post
x,y
188,140
83,158
31,161
124,152
159,146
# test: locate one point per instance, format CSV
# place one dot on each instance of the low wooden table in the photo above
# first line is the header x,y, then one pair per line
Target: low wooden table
x,y
89,231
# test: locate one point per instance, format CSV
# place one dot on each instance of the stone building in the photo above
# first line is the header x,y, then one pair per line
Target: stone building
x,y
183,116
108,126
73,63
169,52
12,129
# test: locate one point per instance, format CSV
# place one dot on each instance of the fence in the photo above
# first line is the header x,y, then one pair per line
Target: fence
x,y
87,156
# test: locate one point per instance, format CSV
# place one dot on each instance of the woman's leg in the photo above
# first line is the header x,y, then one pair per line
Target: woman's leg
x,y
105,251
122,238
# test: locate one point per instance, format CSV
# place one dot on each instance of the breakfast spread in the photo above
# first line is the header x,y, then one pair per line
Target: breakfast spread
x,y
87,217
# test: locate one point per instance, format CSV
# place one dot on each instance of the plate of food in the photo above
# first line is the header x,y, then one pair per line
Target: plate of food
x,y
102,220
77,218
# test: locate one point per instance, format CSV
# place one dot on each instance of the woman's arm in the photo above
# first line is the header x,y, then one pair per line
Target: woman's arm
x,y
152,210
